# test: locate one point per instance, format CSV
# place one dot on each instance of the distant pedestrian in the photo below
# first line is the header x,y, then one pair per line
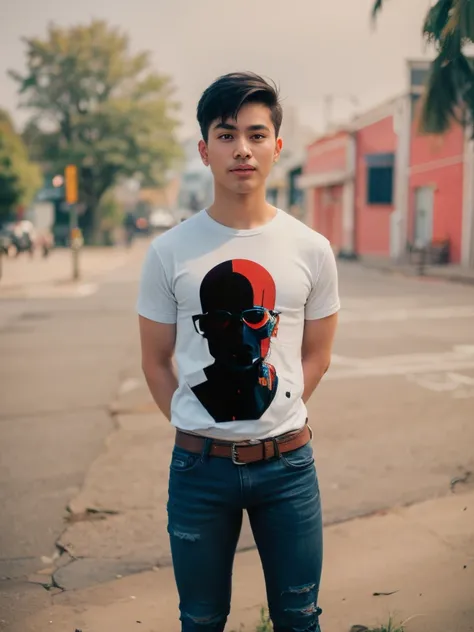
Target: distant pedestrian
x,y
129,225
246,298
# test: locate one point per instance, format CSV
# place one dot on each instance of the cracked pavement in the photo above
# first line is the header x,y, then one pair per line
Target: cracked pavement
x,y
63,360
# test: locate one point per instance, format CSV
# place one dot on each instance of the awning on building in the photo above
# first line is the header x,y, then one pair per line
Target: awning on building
x,y
327,179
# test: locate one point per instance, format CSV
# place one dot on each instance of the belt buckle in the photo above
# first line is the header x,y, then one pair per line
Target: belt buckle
x,y
235,456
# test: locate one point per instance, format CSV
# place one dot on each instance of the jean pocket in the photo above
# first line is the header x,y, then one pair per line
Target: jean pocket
x,y
183,461
300,458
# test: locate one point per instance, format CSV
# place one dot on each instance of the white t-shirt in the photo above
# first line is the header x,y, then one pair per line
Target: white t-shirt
x,y
239,299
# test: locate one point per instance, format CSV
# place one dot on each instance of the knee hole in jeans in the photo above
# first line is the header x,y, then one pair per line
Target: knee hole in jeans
x,y
298,607
203,620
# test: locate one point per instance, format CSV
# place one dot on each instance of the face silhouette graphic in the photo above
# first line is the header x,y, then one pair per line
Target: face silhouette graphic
x,y
238,320
238,317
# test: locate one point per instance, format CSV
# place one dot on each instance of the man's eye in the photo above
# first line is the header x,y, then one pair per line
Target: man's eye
x,y
258,137
225,137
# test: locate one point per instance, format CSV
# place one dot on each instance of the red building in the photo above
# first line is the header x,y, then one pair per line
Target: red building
x,y
328,178
435,205
376,146
377,187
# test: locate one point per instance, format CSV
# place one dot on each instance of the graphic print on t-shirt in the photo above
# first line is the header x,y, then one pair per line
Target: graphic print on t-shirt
x,y
238,320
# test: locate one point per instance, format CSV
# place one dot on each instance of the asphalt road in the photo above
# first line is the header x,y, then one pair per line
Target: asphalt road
x,y
397,404
393,419
62,360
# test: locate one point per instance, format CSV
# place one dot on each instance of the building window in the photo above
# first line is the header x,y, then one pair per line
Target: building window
x,y
418,76
295,194
380,170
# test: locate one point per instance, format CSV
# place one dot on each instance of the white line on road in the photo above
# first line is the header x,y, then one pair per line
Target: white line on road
x,y
461,358
384,371
86,289
457,385
130,384
400,315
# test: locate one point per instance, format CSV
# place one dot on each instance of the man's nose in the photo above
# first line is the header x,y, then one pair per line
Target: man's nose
x,y
242,149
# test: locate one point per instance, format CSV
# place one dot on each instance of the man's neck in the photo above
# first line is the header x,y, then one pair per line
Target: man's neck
x,y
241,212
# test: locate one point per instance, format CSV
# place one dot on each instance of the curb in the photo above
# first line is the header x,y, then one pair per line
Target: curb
x,y
412,273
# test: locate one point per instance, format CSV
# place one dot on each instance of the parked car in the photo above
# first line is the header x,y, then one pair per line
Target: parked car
x,y
22,236
18,237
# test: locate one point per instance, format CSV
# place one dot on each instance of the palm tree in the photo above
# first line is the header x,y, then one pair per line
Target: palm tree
x,y
449,94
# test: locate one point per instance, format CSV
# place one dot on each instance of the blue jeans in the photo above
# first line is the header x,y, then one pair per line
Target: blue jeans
x,y
207,496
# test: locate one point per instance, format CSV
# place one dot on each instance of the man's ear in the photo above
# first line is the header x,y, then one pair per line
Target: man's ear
x,y
202,147
278,148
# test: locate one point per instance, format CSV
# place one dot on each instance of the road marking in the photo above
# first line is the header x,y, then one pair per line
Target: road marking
x,y
86,289
461,358
344,361
401,315
458,385
130,384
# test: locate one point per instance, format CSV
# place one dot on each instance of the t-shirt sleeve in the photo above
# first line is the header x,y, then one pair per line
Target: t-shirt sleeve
x,y
155,297
323,299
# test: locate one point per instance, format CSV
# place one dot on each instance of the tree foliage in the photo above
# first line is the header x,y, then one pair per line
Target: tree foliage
x,y
449,95
19,178
97,105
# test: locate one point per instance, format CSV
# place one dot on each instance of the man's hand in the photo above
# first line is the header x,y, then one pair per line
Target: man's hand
x,y
318,338
158,342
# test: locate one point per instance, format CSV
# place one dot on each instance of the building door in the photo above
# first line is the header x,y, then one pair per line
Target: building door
x,y
423,228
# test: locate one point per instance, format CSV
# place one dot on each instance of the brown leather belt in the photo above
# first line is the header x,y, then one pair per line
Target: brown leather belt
x,y
244,453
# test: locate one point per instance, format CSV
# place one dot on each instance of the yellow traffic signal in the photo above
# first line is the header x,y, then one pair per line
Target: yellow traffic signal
x,y
70,177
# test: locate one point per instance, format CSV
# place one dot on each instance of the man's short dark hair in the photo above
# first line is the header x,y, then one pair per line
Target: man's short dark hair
x,y
224,98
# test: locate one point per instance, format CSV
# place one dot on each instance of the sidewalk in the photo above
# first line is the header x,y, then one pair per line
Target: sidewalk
x,y
424,554
451,272
38,276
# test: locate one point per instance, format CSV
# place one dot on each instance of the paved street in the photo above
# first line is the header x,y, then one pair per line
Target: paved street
x,y
393,420
62,358
392,426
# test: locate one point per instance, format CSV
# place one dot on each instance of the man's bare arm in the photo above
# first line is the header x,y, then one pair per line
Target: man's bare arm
x,y
157,343
318,338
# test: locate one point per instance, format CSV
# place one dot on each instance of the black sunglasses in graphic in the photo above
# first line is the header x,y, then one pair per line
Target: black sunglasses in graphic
x,y
219,319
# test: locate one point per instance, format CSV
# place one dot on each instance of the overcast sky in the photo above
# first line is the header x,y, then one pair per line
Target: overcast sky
x,y
310,47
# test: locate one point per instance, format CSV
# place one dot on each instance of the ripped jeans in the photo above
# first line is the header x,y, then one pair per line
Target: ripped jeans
x,y
207,496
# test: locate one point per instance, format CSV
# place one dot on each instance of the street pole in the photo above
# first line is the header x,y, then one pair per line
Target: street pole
x,y
75,237
328,103
73,229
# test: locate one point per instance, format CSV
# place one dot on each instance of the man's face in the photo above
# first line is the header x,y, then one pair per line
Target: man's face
x,y
241,152
238,300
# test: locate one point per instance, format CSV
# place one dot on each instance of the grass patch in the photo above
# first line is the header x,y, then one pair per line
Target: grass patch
x,y
390,627
265,625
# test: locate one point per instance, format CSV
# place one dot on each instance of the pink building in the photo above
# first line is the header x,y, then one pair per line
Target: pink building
x,y
328,178
377,187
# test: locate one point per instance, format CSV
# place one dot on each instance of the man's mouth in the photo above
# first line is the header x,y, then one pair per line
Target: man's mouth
x,y
243,168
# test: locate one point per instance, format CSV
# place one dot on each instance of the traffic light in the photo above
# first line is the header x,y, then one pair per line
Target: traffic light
x,y
70,177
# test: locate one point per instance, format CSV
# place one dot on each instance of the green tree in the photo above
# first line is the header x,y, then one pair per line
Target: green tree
x,y
19,178
449,95
97,105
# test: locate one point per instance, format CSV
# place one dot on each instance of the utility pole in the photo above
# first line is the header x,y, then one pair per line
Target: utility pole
x,y
71,187
328,101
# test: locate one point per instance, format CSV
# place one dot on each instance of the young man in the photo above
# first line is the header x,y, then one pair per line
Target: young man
x,y
245,297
